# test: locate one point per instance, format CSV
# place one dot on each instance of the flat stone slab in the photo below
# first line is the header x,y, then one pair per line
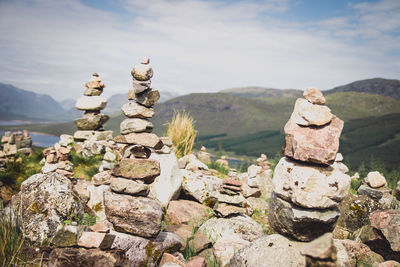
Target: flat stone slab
x,y
144,139
91,103
143,169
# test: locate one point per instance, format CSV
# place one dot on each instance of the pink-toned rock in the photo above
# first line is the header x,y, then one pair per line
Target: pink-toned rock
x,y
313,144
388,223
184,231
170,258
186,212
314,96
101,227
145,61
233,182
144,139
196,261
143,169
80,186
96,240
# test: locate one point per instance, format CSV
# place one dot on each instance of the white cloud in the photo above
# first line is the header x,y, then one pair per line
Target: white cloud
x,y
53,46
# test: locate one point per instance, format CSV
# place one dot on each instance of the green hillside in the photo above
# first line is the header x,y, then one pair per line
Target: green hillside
x,y
251,126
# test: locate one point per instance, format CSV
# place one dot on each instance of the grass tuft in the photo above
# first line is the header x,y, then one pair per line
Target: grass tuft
x,y
182,133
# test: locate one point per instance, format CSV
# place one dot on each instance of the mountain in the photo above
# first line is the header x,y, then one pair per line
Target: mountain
x,y
377,86
67,104
16,103
255,92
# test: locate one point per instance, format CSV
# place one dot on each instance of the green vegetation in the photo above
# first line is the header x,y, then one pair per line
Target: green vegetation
x,y
20,168
87,220
220,168
85,167
11,243
182,133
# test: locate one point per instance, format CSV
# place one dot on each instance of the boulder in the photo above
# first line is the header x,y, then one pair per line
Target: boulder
x,y
203,188
130,187
91,103
387,222
146,252
299,223
142,72
187,212
313,144
310,186
308,114
44,202
314,96
245,227
92,122
135,110
135,125
72,257
135,215
147,98
196,261
168,184
144,139
375,180
270,250
66,140
169,258
140,169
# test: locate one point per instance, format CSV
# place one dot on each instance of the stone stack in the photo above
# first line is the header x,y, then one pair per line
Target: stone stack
x,y
56,160
308,185
12,143
128,206
90,126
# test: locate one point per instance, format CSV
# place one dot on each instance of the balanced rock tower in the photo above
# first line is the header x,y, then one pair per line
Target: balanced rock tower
x,y
128,206
310,181
91,123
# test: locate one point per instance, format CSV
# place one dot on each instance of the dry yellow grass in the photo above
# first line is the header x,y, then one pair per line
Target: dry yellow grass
x,y
182,133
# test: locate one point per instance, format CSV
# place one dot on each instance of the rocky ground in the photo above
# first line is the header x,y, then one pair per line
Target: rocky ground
x,y
145,207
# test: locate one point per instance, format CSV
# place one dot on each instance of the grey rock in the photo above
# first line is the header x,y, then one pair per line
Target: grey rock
x,y
270,250
374,193
135,126
44,202
135,215
130,187
299,223
135,110
91,103
147,98
93,122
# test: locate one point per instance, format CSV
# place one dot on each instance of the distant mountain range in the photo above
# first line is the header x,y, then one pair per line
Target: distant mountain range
x,y
16,103
20,104
250,120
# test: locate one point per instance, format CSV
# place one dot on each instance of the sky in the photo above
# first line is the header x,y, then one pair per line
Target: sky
x,y
53,46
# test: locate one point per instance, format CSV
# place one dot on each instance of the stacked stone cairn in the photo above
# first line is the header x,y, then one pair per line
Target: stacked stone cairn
x,y
56,157
91,137
308,184
12,143
375,187
128,206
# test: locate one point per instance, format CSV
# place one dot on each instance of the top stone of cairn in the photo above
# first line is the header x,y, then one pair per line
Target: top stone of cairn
x,y
142,72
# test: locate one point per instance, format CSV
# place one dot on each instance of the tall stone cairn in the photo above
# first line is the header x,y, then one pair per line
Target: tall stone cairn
x,y
128,206
310,181
92,103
